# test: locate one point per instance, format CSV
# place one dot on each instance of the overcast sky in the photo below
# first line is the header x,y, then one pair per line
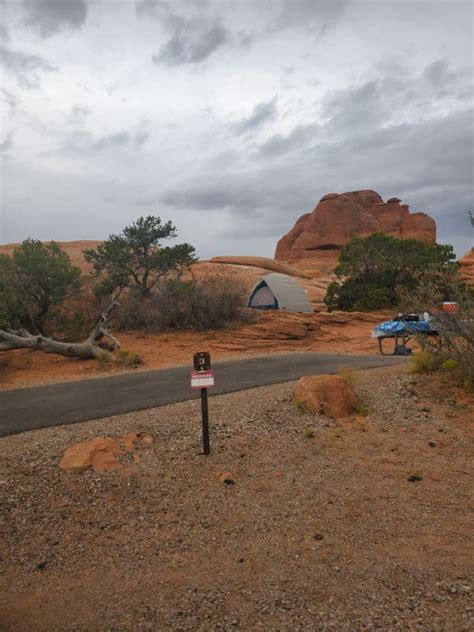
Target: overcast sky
x,y
231,118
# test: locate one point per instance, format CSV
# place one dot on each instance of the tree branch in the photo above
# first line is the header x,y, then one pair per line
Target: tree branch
x,y
90,348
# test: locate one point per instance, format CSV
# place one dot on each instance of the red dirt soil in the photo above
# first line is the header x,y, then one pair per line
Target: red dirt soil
x,y
274,332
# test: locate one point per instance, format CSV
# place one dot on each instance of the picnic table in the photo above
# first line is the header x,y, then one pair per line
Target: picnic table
x,y
401,329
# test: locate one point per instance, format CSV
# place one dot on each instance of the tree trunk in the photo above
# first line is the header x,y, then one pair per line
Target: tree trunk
x,y
90,348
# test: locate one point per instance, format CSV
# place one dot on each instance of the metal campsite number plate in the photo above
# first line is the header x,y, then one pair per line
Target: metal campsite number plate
x,y
202,379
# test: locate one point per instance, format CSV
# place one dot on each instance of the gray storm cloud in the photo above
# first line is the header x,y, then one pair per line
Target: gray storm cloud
x,y
261,113
192,40
24,67
230,118
48,17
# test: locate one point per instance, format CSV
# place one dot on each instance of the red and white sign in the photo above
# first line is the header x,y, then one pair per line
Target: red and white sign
x,y
202,379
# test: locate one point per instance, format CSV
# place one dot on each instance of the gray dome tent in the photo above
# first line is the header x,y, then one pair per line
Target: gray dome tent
x,y
279,291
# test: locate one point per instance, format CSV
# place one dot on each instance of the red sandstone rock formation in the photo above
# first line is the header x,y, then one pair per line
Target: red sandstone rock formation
x,y
467,267
338,218
261,262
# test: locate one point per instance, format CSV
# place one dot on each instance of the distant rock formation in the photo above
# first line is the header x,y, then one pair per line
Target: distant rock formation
x,y
467,267
261,262
339,217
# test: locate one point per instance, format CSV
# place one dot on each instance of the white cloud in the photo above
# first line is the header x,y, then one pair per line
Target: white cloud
x,y
249,114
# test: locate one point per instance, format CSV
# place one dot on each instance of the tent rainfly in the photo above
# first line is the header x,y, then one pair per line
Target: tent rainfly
x,y
279,291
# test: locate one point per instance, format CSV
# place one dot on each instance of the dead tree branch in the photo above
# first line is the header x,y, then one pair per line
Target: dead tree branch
x,y
90,348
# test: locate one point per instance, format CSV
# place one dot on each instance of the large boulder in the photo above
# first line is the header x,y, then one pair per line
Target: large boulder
x,y
328,395
98,454
338,218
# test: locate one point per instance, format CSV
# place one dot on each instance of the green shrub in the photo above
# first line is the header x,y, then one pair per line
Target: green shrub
x,y
72,328
426,362
128,358
104,358
450,366
35,281
361,407
300,407
209,304
121,357
351,295
375,271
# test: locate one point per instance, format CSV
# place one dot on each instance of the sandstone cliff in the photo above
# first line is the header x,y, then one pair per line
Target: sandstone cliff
x,y
337,218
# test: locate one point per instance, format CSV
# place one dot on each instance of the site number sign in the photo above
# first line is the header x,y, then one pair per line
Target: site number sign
x,y
202,379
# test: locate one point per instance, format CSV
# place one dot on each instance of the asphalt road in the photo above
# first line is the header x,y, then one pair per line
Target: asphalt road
x,y
71,402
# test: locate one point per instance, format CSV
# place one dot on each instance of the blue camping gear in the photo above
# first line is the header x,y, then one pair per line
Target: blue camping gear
x,y
402,328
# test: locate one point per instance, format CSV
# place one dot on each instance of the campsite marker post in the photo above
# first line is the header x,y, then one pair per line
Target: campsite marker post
x,y
202,378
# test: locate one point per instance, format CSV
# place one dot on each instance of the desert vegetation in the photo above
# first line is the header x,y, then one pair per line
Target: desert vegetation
x,y
35,284
184,304
136,282
137,259
381,271
453,351
377,271
158,291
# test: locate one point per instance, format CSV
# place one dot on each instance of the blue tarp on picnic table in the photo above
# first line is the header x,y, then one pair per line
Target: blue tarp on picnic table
x,y
392,327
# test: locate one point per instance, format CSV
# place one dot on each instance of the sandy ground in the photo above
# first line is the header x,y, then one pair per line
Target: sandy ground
x,y
322,530
274,332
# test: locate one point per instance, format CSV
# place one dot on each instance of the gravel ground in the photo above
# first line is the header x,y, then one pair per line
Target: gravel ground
x,y
321,529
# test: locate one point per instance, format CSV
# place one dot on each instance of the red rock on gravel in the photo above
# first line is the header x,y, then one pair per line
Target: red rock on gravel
x,y
97,454
227,478
329,395
133,440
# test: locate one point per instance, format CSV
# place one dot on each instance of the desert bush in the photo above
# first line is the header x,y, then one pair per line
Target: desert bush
x,y
453,351
136,312
35,281
450,366
104,358
355,296
457,343
352,379
374,271
426,362
71,327
128,358
122,357
207,304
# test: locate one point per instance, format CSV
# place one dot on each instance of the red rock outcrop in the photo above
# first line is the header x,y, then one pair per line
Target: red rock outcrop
x,y
467,267
98,454
261,262
101,453
338,218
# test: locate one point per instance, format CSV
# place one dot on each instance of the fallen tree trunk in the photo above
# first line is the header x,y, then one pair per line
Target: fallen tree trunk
x,y
90,348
